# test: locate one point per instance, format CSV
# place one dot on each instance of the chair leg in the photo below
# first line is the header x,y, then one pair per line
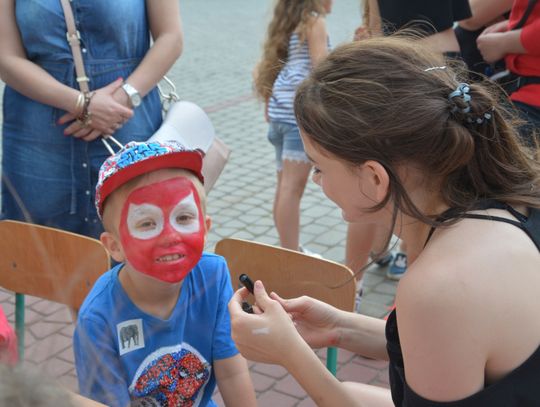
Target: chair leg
x,y
331,360
19,324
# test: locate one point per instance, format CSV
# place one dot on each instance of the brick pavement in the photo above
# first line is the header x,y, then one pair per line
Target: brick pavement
x,y
222,44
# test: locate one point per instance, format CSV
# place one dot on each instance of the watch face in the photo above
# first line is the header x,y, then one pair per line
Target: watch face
x,y
136,100
134,96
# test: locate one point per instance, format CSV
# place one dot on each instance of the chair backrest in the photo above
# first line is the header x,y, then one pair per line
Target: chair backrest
x,y
290,273
49,263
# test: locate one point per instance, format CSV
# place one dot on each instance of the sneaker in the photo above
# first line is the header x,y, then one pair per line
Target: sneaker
x,y
398,267
309,252
385,260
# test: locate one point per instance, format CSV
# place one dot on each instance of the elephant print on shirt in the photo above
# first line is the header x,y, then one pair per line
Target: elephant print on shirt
x,y
130,335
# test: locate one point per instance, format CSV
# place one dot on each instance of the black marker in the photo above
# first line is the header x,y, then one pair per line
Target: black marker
x,y
246,282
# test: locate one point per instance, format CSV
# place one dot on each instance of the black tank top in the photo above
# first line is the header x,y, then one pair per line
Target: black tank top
x,y
520,387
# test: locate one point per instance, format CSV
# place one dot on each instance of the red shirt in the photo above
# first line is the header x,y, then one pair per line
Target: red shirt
x,y
526,64
8,341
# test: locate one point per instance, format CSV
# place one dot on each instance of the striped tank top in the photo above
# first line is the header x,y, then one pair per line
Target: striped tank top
x,y
295,70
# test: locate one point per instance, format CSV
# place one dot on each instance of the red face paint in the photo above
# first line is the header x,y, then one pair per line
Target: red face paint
x,y
162,229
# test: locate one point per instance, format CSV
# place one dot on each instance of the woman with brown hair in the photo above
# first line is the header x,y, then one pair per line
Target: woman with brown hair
x,y
397,139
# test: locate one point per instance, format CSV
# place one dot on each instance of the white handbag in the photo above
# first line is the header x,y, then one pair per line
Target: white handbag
x,y
188,124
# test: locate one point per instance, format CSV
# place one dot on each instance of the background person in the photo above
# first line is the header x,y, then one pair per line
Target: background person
x,y
50,160
296,41
521,51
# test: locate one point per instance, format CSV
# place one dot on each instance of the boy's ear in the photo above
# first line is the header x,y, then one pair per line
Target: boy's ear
x,y
208,223
113,246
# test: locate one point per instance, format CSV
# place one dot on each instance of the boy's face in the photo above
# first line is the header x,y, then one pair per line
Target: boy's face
x,y
162,229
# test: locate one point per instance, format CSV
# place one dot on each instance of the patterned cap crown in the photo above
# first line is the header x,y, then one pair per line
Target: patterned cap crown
x,y
137,158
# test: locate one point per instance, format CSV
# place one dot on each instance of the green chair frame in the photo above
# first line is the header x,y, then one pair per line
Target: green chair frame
x,y
47,263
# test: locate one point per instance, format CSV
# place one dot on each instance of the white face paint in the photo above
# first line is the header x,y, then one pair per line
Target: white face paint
x,y
261,331
184,217
145,221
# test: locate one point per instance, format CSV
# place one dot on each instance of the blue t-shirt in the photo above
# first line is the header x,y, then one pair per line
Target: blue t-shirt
x,y
123,354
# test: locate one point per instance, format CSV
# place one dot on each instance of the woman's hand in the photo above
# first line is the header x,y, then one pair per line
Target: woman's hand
x,y
315,320
361,33
490,46
501,26
107,115
268,336
490,42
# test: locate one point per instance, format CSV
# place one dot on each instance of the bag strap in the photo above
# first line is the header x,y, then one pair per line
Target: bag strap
x,y
74,39
526,15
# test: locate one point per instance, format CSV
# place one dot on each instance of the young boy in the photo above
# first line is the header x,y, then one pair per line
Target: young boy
x,y
155,330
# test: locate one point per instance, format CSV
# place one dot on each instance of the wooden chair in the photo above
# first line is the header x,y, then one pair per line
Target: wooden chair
x,y
48,263
291,274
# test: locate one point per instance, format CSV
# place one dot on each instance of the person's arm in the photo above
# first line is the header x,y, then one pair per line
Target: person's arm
x,y
485,12
166,29
371,26
529,38
497,41
21,74
375,22
317,39
322,325
230,367
444,336
234,382
34,82
271,337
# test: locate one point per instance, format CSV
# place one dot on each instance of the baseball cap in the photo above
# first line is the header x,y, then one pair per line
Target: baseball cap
x,y
137,158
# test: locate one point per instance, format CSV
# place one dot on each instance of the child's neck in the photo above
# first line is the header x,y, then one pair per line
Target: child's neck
x,y
152,296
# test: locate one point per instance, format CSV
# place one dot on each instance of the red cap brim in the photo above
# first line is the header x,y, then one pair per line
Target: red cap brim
x,y
187,160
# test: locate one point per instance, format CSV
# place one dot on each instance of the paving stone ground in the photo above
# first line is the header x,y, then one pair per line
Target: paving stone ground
x,y
222,44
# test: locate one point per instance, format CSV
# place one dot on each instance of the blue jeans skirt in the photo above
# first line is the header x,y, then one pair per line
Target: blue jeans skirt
x,y
50,179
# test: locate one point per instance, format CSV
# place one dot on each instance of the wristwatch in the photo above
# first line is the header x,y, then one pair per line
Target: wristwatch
x,y
133,94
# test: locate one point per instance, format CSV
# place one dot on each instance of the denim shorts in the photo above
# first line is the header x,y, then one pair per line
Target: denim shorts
x,y
286,140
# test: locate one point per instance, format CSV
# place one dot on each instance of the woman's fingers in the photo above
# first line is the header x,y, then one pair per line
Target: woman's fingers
x,y
291,304
236,300
113,86
94,134
66,118
261,297
82,132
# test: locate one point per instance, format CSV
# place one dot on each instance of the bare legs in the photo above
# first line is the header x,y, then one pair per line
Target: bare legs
x,y
291,182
